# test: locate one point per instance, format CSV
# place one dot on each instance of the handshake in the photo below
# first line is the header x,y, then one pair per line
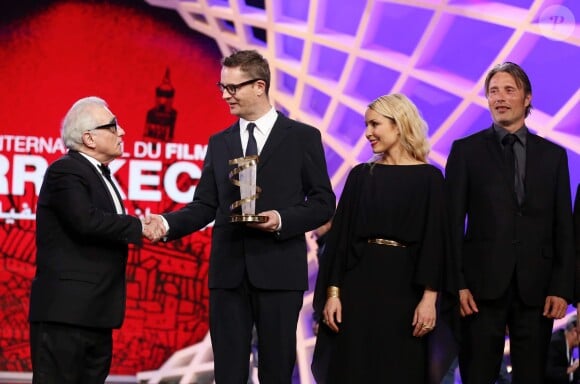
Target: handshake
x,y
154,227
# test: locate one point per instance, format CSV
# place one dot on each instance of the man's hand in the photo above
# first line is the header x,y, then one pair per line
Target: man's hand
x,y
270,225
555,307
153,227
467,303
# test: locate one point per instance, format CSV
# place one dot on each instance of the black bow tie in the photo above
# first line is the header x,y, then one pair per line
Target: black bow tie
x,y
105,170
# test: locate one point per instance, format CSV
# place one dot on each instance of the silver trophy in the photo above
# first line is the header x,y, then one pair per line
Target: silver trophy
x,y
244,176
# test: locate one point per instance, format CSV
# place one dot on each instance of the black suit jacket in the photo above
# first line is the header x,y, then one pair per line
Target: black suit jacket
x,y
533,241
557,362
82,248
294,180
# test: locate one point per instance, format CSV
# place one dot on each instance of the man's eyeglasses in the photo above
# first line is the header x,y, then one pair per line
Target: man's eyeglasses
x,y
233,88
112,126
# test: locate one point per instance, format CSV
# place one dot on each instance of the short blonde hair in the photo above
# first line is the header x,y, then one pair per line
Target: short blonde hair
x,y
407,118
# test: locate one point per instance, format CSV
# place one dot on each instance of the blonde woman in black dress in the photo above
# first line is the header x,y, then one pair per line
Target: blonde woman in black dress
x,y
384,256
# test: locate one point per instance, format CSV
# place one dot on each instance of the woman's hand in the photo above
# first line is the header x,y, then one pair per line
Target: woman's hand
x,y
425,316
332,313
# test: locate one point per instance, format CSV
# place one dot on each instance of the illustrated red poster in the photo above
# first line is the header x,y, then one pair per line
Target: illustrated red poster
x,y
158,77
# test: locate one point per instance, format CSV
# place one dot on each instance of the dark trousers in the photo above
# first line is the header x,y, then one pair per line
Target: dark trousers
x,y
233,314
483,338
67,354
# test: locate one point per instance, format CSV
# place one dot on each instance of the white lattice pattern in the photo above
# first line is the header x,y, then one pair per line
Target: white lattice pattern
x,y
330,58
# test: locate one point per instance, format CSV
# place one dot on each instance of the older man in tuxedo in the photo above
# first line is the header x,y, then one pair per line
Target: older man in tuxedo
x,y
82,236
511,233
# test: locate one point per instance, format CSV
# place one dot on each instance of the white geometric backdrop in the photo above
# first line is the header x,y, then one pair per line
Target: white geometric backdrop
x,y
330,58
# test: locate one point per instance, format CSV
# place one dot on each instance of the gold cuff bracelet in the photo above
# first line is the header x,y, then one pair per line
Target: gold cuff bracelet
x,y
332,291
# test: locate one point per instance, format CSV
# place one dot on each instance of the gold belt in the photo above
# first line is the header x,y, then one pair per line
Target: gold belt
x,y
390,243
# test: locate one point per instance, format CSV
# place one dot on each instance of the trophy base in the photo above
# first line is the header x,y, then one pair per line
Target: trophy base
x,y
248,219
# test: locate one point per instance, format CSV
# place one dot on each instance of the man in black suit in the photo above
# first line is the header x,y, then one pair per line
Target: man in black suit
x,y
560,369
258,272
82,236
511,235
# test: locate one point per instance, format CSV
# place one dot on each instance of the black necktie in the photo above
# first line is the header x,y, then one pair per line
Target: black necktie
x,y
511,159
107,173
252,146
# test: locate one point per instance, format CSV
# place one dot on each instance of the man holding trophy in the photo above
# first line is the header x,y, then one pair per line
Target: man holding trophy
x,y
265,183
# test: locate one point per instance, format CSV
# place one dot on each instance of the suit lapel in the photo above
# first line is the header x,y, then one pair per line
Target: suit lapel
x,y
101,179
87,164
233,141
533,162
276,138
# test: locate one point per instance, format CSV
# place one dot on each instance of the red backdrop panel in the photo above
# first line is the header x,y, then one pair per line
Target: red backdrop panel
x,y
159,78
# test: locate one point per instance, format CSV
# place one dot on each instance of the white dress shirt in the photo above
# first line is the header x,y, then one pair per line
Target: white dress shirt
x,y
263,128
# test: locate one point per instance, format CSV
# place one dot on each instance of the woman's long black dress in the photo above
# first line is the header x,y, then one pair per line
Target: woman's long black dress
x,y
381,285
